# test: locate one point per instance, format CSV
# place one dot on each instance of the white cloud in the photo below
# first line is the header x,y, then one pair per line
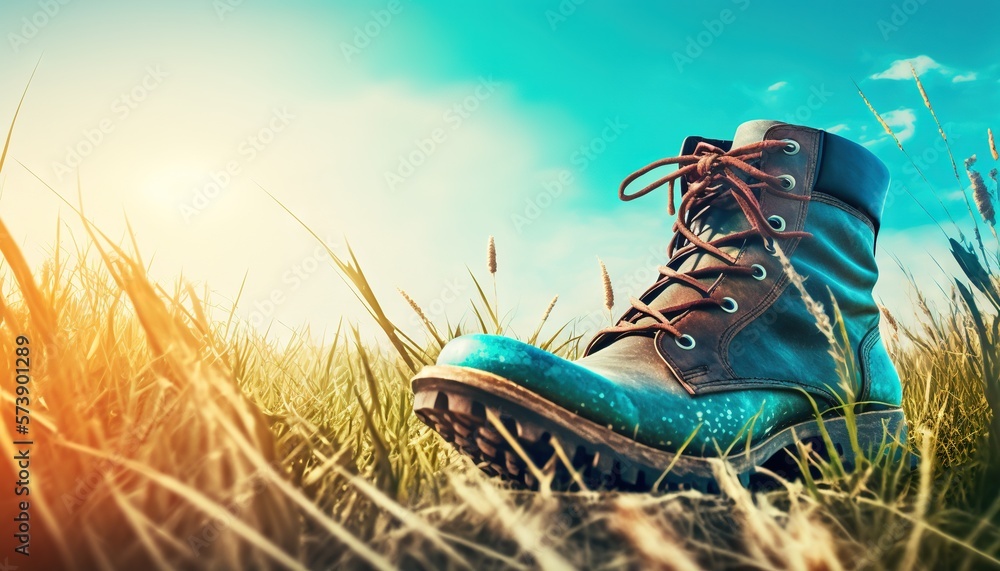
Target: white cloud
x,y
903,123
841,127
956,195
777,86
900,69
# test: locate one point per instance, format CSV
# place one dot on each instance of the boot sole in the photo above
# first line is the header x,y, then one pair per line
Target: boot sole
x,y
472,409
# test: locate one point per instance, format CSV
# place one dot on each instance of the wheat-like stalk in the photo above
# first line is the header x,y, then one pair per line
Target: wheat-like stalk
x,y
413,304
609,292
927,104
982,197
889,317
423,317
491,265
491,256
545,317
993,145
878,117
548,310
891,320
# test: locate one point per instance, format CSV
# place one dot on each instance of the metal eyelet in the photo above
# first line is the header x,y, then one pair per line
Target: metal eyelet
x,y
787,181
776,222
685,342
769,244
729,305
791,147
759,273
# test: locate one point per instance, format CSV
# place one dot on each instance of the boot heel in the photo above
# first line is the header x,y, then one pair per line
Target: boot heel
x,y
879,434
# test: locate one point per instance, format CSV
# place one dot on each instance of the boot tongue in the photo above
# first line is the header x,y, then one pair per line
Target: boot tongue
x,y
752,132
723,217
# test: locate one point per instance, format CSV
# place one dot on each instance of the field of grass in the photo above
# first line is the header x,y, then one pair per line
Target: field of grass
x,y
167,437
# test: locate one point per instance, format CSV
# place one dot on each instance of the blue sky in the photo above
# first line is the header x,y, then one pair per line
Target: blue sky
x,y
523,117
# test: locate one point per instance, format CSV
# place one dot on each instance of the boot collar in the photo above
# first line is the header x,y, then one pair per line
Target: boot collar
x,y
847,170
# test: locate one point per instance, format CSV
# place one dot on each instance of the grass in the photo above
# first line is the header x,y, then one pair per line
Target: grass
x,y
175,438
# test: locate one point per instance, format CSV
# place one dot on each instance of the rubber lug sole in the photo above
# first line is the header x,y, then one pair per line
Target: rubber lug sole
x,y
473,409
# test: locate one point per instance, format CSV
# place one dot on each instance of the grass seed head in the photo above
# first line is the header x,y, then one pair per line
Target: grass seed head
x,y
413,305
889,317
548,310
609,293
982,197
491,256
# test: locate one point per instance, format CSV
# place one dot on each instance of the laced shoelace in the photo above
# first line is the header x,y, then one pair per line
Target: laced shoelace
x,y
711,173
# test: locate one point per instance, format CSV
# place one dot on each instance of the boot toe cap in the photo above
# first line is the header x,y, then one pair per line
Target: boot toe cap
x,y
558,380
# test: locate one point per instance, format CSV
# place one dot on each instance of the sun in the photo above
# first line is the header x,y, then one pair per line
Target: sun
x,y
172,187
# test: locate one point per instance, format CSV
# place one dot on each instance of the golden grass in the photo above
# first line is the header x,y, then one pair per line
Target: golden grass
x,y
609,292
201,444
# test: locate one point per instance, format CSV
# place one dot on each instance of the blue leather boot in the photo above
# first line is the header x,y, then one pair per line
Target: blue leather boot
x,y
719,357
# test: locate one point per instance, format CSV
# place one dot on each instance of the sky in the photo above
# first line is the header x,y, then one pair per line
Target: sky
x,y
414,131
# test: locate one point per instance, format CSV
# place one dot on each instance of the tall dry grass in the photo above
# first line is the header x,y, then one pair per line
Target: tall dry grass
x,y
170,437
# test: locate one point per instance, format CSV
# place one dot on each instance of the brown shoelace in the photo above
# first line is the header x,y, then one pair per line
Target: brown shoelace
x,y
711,173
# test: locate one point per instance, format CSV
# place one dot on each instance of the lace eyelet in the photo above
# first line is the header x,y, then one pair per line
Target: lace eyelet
x,y
685,342
759,273
769,244
729,305
791,147
776,222
787,181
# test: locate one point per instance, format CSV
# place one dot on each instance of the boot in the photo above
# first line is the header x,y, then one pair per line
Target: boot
x,y
721,357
